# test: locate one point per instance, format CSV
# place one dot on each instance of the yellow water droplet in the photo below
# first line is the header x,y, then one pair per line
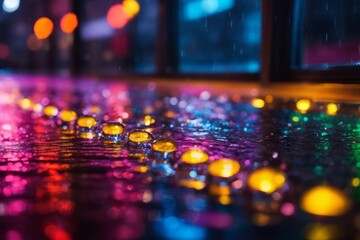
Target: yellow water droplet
x,y
303,105
258,103
224,167
67,115
325,200
51,111
331,109
140,136
194,156
165,145
113,128
86,121
266,180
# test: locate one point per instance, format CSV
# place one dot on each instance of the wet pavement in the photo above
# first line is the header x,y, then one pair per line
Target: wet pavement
x,y
176,163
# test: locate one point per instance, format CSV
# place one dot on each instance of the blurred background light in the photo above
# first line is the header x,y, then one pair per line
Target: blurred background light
x,y
199,9
258,103
96,29
131,7
331,109
194,156
43,28
117,16
325,200
266,180
10,5
177,228
303,105
68,23
224,167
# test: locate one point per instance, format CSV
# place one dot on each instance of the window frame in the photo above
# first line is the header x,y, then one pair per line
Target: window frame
x,y
282,42
279,48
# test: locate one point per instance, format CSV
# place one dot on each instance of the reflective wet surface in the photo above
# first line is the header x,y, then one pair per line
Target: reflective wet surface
x,y
133,161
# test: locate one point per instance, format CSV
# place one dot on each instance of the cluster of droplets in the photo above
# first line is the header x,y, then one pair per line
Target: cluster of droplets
x,y
222,178
225,150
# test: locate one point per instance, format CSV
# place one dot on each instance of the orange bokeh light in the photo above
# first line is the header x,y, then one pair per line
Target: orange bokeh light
x,y
68,23
43,28
117,16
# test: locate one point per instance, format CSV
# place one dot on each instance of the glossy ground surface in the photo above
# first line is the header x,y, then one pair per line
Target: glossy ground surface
x,y
60,181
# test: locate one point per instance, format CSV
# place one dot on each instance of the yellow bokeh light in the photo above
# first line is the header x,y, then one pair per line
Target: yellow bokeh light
x,y
189,183
148,120
113,128
67,115
219,189
324,200
295,119
165,145
51,111
303,105
317,231
37,108
25,104
269,98
131,7
331,109
224,167
224,199
266,180
140,136
194,156
355,182
261,219
86,121
258,103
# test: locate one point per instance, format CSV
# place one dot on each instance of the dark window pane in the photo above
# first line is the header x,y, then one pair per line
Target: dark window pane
x,y
130,48
219,36
20,49
331,33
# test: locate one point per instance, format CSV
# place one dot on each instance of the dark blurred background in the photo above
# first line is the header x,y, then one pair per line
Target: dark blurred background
x,y
168,36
